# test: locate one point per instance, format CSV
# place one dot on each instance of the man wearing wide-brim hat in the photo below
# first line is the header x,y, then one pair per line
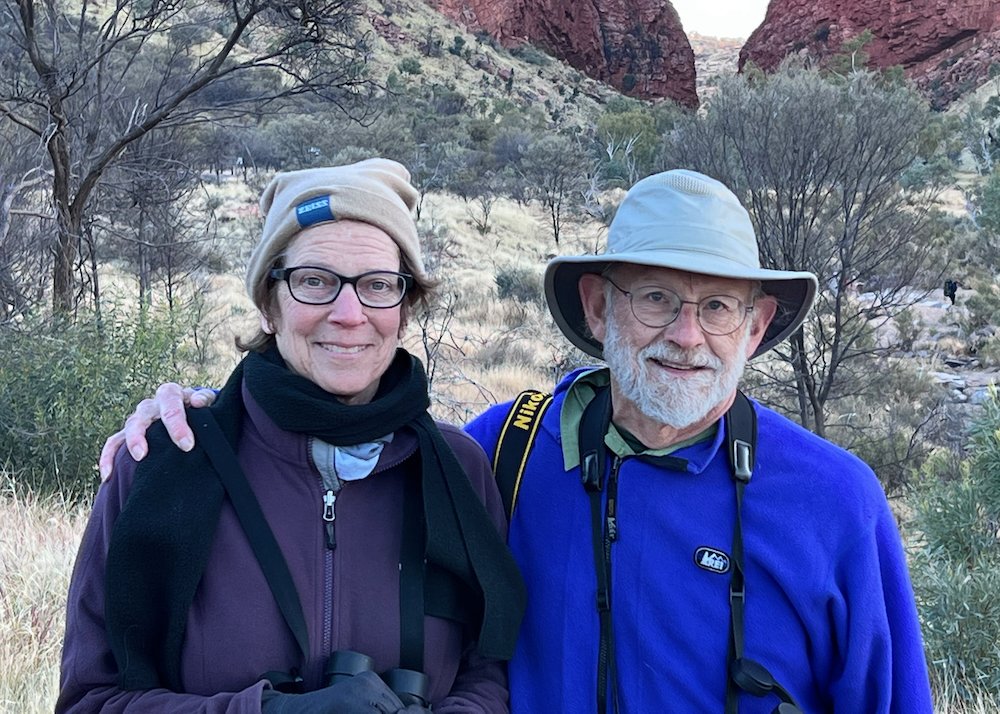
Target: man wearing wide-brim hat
x,y
684,548
673,578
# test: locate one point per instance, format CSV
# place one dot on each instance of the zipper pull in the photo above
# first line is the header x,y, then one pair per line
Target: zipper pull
x,y
329,501
329,514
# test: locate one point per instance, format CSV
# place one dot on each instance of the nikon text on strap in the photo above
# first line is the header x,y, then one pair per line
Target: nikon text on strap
x,y
514,445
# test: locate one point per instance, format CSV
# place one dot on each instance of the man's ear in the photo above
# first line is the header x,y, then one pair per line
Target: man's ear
x,y
594,301
764,310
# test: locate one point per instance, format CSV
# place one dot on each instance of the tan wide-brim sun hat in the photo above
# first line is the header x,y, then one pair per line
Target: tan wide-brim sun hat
x,y
681,220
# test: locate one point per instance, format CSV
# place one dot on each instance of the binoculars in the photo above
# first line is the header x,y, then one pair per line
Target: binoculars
x,y
408,684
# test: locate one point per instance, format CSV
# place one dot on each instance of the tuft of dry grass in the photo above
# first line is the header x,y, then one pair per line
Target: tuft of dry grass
x,y
38,544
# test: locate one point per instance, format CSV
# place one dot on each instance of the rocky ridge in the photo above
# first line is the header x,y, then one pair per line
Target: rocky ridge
x,y
946,46
639,47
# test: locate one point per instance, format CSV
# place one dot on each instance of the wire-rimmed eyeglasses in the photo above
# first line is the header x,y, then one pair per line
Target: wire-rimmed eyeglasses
x,y
656,306
313,285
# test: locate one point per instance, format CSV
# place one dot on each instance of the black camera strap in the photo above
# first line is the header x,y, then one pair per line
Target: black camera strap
x,y
741,437
517,437
593,426
411,577
262,541
740,423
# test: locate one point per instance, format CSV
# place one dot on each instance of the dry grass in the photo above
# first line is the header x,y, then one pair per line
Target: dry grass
x,y
38,543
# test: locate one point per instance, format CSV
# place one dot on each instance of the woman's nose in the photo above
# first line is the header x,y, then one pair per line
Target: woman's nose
x,y
347,308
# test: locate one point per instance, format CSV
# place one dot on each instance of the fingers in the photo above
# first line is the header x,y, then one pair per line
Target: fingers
x,y
135,428
200,397
169,406
106,462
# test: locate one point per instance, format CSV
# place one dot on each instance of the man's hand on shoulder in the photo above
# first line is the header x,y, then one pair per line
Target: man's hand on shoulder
x,y
168,405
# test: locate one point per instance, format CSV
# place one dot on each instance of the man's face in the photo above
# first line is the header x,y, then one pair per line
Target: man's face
x,y
679,375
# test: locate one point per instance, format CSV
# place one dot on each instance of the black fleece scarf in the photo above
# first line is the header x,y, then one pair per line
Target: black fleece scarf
x,y
160,542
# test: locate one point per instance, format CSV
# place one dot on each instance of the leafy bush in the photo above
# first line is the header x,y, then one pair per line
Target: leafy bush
x,y
457,46
956,569
893,426
409,65
520,284
983,306
67,384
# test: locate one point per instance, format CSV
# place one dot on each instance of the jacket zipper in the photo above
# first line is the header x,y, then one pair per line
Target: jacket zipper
x,y
330,488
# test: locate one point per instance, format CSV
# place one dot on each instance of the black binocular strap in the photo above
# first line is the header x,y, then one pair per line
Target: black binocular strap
x,y
262,541
411,576
593,427
744,674
740,424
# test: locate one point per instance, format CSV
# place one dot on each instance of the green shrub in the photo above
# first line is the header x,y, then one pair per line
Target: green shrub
x,y
66,385
519,284
409,65
908,328
457,46
956,568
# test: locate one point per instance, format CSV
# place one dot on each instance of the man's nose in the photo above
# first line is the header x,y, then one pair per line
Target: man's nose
x,y
685,330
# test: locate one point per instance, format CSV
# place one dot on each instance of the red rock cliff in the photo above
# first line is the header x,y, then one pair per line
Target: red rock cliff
x,y
946,46
637,46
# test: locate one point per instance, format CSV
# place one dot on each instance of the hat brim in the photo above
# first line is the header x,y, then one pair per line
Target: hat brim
x,y
795,291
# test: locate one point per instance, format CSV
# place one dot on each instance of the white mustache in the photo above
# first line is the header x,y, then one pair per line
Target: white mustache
x,y
690,359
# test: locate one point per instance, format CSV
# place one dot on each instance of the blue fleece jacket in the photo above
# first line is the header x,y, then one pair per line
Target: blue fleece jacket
x,y
829,605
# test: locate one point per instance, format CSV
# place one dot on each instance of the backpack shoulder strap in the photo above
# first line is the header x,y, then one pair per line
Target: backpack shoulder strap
x,y
516,440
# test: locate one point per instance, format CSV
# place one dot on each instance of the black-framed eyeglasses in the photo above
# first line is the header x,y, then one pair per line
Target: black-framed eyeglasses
x,y
656,306
313,285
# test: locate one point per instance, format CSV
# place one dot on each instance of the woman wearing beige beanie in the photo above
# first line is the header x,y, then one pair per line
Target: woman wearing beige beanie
x,y
351,532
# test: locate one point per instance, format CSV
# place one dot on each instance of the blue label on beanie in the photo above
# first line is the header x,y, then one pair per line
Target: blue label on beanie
x,y
315,210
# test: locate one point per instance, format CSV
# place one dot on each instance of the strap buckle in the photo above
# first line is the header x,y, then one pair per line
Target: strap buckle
x,y
741,460
590,472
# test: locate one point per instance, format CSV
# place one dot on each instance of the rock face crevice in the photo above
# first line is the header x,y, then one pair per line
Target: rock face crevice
x,y
945,46
636,46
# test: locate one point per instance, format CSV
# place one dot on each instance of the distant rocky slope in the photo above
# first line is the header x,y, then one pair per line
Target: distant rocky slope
x,y
945,46
640,48
637,46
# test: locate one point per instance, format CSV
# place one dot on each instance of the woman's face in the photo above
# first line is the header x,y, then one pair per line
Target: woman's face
x,y
344,347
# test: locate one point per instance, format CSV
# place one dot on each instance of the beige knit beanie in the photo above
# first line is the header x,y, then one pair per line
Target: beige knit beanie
x,y
376,191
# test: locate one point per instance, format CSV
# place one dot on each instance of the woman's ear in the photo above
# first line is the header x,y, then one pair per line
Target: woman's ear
x,y
265,325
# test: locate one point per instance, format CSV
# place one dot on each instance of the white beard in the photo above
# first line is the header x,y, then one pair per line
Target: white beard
x,y
674,402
